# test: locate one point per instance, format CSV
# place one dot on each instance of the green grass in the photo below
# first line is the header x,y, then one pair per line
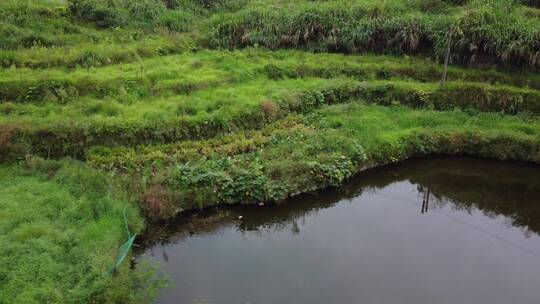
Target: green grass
x,y
44,129
43,34
100,53
57,112
153,74
62,224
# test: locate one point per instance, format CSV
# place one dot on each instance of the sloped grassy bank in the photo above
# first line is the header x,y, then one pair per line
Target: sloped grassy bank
x,y
90,33
68,138
62,223
57,33
189,72
306,152
55,113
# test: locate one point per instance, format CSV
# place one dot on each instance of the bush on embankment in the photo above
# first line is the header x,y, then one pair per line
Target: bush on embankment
x,y
241,181
308,152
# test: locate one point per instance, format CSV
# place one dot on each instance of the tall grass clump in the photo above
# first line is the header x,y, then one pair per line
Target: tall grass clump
x,y
493,31
482,31
534,3
175,15
25,24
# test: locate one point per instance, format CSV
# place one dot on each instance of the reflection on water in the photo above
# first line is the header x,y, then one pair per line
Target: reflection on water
x,y
439,230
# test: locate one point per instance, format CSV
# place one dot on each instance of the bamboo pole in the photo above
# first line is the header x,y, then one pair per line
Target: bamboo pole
x,y
446,57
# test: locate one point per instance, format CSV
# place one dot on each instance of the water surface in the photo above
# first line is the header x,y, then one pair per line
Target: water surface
x,y
439,230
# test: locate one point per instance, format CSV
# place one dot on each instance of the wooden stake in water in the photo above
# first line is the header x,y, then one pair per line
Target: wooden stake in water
x,y
425,201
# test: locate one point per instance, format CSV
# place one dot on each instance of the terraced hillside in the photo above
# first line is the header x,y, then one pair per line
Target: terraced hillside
x,y
112,112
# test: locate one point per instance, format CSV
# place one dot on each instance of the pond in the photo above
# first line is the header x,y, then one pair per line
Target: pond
x,y
437,230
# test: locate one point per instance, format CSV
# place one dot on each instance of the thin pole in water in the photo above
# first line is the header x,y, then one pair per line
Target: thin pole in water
x,y
447,56
425,201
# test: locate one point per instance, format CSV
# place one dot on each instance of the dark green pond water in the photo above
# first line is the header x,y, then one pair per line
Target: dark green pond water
x,y
440,230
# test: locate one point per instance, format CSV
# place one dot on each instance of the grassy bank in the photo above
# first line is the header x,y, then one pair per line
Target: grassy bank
x,y
42,34
308,152
481,31
62,224
56,113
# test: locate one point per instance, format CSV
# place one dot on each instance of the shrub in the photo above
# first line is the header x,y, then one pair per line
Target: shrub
x,y
270,109
176,20
176,15
535,3
89,58
7,134
96,11
431,6
157,203
145,11
492,31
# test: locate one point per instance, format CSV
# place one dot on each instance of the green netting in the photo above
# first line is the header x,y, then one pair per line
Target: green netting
x,y
124,249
